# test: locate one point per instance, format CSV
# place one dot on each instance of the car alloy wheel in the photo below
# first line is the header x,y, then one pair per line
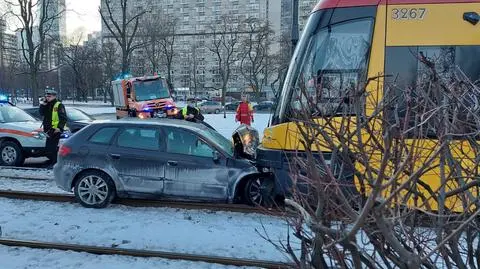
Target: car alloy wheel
x,y
94,189
258,191
9,155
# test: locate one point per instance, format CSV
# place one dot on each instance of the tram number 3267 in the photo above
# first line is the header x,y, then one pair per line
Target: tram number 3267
x,y
408,13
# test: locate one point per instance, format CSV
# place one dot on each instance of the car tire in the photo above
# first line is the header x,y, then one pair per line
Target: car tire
x,y
11,154
258,191
217,111
94,189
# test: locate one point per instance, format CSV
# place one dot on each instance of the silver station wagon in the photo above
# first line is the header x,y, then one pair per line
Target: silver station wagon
x,y
157,158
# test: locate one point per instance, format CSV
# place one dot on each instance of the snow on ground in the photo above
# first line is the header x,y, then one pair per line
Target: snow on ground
x,y
23,258
48,186
165,229
226,126
43,173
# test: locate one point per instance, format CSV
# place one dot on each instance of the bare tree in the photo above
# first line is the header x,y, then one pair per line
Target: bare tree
x,y
110,62
224,46
86,67
123,29
151,34
167,42
35,32
399,185
254,53
193,63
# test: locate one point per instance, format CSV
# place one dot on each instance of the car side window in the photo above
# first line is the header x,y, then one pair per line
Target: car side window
x,y
183,142
139,138
103,136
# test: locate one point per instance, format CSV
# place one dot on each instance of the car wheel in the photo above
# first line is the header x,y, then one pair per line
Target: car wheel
x,y
94,189
11,154
258,191
217,111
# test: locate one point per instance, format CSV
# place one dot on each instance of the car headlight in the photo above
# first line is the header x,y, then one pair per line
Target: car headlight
x,y
38,135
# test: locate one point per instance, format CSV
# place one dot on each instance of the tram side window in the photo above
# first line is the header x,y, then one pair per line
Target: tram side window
x,y
409,74
334,66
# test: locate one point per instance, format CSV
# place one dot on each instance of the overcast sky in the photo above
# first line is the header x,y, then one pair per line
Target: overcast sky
x,y
83,14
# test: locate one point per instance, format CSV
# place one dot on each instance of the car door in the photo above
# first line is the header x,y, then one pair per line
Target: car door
x,y
136,156
191,170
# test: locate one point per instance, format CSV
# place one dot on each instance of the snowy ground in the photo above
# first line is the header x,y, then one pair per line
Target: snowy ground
x,y
22,258
48,186
187,231
29,173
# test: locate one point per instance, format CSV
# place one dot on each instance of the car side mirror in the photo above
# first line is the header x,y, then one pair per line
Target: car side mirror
x,y
216,156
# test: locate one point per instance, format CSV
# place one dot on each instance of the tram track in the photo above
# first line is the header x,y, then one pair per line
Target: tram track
x,y
2,167
70,198
144,253
24,177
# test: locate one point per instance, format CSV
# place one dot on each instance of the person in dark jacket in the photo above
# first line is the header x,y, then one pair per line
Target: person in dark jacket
x,y
54,122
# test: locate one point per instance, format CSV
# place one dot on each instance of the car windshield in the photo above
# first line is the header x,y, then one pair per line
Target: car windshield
x,y
330,63
151,90
225,144
77,115
14,114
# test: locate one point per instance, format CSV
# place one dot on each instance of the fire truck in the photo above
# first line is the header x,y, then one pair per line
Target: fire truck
x,y
143,97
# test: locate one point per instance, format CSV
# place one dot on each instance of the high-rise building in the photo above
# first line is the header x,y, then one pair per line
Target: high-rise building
x,y
57,31
195,19
8,45
56,9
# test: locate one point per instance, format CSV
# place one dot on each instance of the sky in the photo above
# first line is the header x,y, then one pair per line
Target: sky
x,y
82,15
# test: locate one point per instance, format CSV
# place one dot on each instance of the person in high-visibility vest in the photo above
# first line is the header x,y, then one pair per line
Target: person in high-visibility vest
x,y
54,122
191,113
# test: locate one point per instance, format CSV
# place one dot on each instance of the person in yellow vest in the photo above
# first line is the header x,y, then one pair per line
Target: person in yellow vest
x,y
54,122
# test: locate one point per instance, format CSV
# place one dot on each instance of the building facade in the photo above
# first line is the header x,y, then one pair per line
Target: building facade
x,y
304,9
194,65
8,46
57,33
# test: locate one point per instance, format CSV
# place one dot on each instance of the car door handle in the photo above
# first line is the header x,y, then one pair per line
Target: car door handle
x,y
172,163
115,156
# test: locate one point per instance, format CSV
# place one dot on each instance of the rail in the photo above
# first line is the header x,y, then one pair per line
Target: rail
x,y
23,168
24,177
144,253
58,197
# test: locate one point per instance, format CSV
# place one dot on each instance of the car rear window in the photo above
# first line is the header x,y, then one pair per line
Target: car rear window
x,y
103,136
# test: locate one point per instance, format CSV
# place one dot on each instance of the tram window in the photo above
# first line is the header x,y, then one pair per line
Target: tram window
x,y
335,63
409,72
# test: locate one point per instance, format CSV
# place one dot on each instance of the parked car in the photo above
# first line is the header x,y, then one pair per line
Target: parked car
x,y
232,106
20,136
156,158
209,107
77,119
265,105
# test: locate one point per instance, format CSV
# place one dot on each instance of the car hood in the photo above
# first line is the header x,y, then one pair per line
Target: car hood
x,y
26,126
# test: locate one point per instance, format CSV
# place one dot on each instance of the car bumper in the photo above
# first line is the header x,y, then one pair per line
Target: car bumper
x,y
63,176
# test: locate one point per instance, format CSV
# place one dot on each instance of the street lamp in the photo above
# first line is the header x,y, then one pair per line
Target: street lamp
x,y
295,34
